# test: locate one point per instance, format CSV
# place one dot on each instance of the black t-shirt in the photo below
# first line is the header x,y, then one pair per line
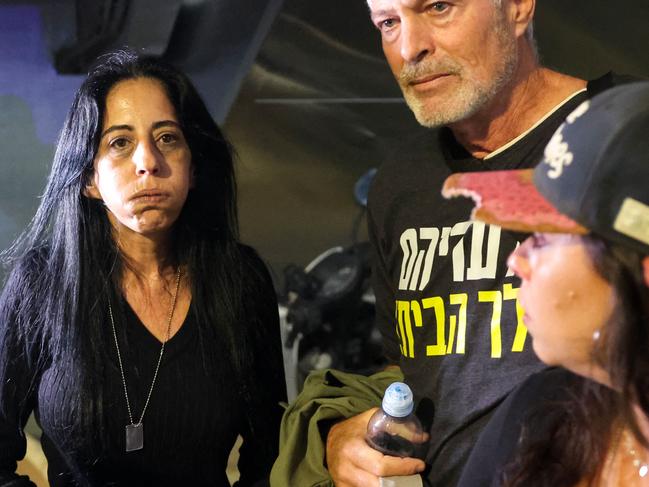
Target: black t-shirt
x,y
496,447
446,301
193,417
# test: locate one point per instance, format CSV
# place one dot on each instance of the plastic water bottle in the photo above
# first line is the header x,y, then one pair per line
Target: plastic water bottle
x,y
395,430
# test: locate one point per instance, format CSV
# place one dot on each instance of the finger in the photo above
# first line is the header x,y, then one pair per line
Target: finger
x,y
363,457
390,466
358,478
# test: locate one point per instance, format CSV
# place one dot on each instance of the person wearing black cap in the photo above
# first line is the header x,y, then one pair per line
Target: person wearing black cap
x,y
585,292
445,302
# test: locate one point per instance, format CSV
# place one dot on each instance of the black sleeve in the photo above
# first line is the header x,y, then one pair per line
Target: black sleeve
x,y
497,443
16,396
267,386
385,311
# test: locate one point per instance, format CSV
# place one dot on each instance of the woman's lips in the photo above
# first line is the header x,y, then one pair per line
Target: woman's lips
x,y
149,196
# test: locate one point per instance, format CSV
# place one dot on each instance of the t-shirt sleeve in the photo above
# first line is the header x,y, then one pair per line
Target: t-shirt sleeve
x,y
385,312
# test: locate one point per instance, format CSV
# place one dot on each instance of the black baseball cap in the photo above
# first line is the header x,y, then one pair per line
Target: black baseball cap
x,y
594,176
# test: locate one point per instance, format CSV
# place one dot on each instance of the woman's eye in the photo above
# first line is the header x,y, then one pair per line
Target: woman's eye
x,y
168,139
538,240
119,143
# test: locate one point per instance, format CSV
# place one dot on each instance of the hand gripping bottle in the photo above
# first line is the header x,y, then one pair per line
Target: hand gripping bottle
x,y
395,430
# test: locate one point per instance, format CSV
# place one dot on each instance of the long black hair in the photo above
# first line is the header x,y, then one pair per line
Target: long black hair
x,y
66,266
564,442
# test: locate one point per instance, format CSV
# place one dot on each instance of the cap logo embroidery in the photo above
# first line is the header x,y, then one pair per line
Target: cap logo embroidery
x,y
557,152
633,220
578,112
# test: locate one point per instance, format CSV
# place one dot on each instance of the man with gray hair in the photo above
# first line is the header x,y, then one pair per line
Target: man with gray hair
x,y
446,301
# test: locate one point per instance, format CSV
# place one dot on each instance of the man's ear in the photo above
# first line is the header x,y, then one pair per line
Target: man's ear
x,y
645,269
521,13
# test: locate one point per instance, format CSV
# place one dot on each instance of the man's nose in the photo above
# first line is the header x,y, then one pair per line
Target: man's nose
x,y
416,39
146,158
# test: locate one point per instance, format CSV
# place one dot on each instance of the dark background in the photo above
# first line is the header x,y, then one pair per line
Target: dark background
x,y
300,87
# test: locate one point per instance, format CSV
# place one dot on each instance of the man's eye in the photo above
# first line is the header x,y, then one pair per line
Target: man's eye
x,y
439,6
387,24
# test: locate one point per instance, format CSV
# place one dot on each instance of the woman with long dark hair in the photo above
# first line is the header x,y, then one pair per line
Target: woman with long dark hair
x,y
133,323
585,296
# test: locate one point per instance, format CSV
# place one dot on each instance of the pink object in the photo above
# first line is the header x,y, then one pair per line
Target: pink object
x,y
510,200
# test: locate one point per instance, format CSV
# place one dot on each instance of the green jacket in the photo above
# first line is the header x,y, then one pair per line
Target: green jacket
x,y
328,396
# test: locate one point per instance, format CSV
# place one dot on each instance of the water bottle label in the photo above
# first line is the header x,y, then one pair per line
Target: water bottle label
x,y
403,481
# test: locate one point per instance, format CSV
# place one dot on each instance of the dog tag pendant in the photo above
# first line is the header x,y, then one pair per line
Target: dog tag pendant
x,y
134,437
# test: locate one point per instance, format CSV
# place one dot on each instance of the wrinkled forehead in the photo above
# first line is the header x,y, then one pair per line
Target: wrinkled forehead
x,y
376,5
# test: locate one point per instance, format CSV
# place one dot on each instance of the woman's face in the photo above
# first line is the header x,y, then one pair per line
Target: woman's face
x,y
142,170
565,300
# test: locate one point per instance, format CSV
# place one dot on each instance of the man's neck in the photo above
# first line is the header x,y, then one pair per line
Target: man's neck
x,y
528,98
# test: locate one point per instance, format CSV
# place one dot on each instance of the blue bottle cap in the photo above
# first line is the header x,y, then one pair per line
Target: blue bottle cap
x,y
397,400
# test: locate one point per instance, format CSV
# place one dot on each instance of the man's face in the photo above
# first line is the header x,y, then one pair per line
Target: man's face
x,y
450,58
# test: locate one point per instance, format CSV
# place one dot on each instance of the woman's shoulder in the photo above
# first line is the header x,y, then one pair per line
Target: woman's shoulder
x,y
549,385
497,444
250,258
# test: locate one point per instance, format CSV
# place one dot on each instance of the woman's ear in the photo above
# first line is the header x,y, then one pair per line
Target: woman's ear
x,y
90,190
645,269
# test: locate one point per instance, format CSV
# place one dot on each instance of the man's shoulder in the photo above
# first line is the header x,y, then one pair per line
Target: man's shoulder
x,y
609,80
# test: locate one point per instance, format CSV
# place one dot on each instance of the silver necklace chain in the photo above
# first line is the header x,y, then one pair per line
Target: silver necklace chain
x,y
640,465
157,367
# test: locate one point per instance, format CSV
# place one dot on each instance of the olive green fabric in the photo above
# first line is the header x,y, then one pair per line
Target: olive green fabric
x,y
328,396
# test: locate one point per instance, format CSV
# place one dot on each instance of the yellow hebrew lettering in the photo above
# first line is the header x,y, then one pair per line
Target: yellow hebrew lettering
x,y
460,319
404,308
416,313
403,319
437,304
494,297
510,292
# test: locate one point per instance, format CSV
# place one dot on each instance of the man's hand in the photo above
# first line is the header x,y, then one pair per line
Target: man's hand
x,y
353,463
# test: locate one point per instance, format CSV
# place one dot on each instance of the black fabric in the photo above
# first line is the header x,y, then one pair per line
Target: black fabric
x,y
193,417
497,444
445,300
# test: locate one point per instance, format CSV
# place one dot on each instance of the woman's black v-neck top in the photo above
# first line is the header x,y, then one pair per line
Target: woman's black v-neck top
x,y
190,425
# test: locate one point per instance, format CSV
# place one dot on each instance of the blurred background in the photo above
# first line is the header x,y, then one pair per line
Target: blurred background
x,y
300,87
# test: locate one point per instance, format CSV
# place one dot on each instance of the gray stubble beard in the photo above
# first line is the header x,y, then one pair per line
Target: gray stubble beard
x,y
470,96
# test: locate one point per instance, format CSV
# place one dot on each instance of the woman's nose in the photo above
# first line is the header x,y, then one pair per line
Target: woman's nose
x,y
518,260
146,159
